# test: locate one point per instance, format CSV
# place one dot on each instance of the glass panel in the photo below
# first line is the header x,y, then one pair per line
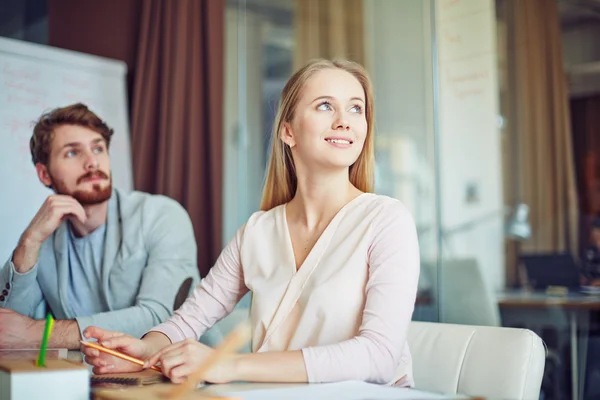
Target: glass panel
x,y
267,39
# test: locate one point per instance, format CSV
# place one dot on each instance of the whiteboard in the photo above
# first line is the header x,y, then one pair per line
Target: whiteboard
x,y
35,79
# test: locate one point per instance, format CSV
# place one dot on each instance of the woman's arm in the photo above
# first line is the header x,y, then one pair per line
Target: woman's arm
x,y
212,299
273,366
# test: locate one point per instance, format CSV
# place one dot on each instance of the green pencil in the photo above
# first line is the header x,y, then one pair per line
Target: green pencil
x,y
41,360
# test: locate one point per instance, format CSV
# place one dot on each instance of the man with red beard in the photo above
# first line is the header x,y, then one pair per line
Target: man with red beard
x,y
92,255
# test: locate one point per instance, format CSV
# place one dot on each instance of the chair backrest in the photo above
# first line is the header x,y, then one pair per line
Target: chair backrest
x,y
465,298
493,362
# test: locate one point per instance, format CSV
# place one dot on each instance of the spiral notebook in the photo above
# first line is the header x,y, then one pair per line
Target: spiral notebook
x,y
146,377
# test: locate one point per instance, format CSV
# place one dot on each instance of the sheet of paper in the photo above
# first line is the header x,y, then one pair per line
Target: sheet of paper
x,y
349,390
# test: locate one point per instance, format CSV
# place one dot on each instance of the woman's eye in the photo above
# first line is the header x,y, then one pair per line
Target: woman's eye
x,y
356,109
71,153
324,107
98,149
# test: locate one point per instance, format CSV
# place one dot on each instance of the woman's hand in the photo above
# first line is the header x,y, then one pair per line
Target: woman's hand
x,y
105,363
180,360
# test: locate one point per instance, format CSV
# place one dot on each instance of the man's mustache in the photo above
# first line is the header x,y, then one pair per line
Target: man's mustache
x,y
92,175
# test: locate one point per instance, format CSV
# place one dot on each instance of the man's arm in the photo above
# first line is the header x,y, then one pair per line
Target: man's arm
x,y
21,292
65,334
19,289
26,254
18,331
171,259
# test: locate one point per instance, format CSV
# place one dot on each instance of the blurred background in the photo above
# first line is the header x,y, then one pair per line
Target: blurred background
x,y
487,128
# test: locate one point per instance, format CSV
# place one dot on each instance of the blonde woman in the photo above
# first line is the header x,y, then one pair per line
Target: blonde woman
x,y
333,268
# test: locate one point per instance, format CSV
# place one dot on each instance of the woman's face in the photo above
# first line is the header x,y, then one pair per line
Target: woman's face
x,y
329,127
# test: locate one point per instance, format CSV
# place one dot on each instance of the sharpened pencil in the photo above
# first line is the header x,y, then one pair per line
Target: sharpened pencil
x,y
118,354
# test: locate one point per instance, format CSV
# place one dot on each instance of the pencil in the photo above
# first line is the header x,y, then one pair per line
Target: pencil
x,y
236,339
118,354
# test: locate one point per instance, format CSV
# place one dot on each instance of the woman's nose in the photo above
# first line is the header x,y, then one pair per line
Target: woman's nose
x,y
341,123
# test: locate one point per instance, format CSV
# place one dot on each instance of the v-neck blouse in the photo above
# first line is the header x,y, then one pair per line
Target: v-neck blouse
x,y
348,306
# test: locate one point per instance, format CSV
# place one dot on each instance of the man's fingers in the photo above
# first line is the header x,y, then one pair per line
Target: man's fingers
x,y
107,369
60,212
77,211
95,361
89,352
117,341
99,333
65,205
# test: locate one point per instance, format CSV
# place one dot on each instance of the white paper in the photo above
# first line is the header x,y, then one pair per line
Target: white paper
x,y
349,390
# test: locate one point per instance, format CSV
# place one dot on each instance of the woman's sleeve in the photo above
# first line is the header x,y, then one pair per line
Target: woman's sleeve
x,y
214,298
374,354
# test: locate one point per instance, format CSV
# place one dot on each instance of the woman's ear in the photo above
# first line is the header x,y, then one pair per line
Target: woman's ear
x,y
287,135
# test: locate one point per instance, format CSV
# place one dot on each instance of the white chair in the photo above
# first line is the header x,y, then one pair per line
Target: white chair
x,y
493,362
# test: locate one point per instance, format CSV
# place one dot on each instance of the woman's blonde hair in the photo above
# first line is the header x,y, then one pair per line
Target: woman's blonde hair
x,y
281,181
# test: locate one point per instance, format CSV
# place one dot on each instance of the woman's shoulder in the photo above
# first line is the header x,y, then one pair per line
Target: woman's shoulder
x,y
385,206
260,219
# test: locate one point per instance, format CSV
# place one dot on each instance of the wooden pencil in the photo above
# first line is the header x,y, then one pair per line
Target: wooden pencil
x,y
118,354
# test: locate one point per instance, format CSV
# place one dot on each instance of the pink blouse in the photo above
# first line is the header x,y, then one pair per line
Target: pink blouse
x,y
348,306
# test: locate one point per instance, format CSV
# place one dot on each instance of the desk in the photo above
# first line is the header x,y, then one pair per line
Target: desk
x,y
577,306
352,390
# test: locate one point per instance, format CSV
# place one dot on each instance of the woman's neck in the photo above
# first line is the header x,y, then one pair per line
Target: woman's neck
x,y
318,199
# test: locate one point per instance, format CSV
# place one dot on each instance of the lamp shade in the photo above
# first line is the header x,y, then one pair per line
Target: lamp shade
x,y
517,226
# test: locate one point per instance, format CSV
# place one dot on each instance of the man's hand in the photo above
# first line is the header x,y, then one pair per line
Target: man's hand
x,y
107,364
52,213
18,331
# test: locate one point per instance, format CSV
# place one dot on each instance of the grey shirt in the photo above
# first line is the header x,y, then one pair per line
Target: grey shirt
x,y
85,272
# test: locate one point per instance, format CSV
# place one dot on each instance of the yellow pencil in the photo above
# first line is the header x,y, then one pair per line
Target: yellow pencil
x,y
118,354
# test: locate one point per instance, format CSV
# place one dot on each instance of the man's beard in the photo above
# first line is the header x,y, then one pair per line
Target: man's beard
x,y
98,194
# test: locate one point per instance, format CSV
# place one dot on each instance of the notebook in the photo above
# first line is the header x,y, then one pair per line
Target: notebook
x,y
146,377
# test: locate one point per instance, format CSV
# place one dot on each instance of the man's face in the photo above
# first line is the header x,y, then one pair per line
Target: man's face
x,y
79,165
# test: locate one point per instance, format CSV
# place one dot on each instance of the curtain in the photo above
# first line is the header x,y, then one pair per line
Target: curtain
x,y
542,169
586,141
176,117
328,29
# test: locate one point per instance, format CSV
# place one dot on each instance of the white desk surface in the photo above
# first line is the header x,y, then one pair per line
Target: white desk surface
x,y
351,390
